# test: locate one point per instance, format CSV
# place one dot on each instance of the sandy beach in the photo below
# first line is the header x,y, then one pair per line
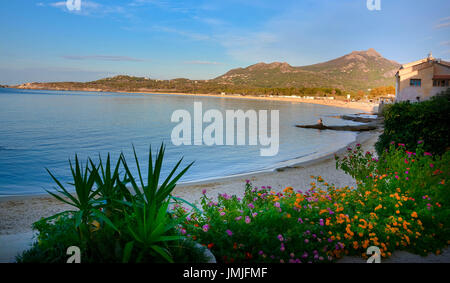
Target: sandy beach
x,y
364,106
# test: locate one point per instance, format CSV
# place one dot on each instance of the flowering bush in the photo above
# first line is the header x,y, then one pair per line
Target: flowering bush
x,y
399,203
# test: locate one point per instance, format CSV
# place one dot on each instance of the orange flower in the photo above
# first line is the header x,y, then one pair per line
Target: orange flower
x,y
414,214
288,189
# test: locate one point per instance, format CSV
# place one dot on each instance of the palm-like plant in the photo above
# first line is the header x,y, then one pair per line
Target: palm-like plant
x,y
111,190
150,224
84,199
149,227
152,192
143,218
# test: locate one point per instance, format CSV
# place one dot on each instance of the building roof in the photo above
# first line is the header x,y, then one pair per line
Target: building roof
x,y
441,77
430,58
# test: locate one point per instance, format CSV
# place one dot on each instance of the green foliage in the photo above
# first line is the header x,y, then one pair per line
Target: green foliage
x,y
410,123
353,72
84,199
109,224
152,192
397,205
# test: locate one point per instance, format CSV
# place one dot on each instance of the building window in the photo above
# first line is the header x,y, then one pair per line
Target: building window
x,y
415,82
441,83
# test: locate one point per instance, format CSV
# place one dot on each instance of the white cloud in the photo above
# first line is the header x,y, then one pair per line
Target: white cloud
x,y
102,58
442,23
188,34
195,62
88,8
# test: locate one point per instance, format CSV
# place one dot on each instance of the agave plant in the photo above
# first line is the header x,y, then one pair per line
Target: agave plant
x,y
84,199
152,192
150,224
111,189
149,227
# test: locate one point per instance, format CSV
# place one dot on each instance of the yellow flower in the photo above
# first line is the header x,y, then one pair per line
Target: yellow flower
x,y
96,226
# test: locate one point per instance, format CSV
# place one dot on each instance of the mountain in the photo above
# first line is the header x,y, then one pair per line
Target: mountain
x,y
358,70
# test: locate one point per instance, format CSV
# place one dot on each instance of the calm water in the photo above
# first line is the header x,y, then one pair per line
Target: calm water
x,y
41,129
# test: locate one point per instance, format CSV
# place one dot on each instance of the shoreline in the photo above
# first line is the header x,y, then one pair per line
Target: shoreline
x,y
312,159
363,106
297,175
19,212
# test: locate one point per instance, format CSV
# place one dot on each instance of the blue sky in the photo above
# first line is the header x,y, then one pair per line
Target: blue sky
x,y
44,41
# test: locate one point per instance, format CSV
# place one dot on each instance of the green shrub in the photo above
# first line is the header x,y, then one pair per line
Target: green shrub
x,y
427,121
108,223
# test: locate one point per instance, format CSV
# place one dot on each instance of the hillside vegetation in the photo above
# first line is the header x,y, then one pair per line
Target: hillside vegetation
x,y
353,73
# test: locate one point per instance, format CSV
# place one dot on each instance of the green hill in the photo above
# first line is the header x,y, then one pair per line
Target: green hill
x,y
358,70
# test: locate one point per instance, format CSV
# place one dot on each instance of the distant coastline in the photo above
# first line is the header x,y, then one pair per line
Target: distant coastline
x,y
363,106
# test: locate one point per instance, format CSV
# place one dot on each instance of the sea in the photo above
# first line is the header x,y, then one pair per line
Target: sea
x,y
42,129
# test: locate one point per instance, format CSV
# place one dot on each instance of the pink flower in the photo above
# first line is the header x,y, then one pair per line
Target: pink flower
x,y
205,228
321,222
229,233
277,204
204,191
238,218
247,219
183,231
250,205
431,165
427,153
222,213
